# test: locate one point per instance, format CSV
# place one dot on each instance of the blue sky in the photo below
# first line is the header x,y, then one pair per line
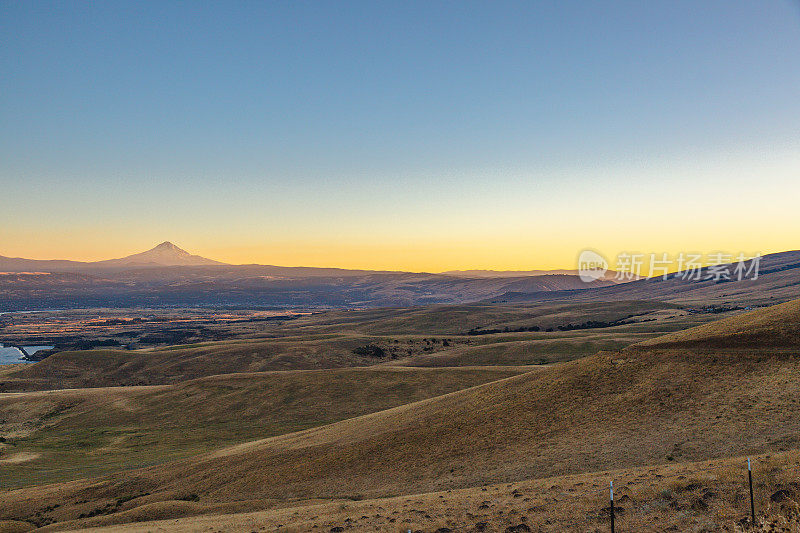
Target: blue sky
x,y
248,128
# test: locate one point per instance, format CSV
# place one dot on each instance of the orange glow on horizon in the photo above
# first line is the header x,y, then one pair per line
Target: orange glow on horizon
x,y
409,257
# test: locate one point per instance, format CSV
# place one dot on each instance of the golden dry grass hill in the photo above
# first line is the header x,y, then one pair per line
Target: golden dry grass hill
x,y
775,327
642,406
66,434
704,496
103,368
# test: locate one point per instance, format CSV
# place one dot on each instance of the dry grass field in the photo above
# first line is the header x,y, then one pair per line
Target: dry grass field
x,y
99,368
703,496
773,327
467,447
74,433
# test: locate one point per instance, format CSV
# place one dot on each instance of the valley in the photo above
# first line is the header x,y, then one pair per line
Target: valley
x,y
214,420
460,416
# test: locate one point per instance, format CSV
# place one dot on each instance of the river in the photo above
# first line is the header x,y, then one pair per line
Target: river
x,y
12,355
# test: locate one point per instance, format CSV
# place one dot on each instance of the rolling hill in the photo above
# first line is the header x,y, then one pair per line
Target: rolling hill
x,y
64,431
693,496
107,368
434,336
476,318
776,327
626,409
255,287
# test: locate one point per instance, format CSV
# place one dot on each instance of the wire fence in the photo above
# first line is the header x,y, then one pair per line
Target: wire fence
x,y
680,497
728,496
723,497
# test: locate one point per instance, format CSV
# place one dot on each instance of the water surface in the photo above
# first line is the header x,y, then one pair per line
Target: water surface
x,y
12,355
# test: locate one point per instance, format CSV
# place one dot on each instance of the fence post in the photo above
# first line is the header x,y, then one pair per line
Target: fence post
x,y
752,502
612,505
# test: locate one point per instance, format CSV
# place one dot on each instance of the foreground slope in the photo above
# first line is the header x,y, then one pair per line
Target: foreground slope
x,y
705,496
611,410
61,434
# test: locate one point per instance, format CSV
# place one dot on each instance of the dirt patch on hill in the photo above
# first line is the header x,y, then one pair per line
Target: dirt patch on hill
x,y
21,457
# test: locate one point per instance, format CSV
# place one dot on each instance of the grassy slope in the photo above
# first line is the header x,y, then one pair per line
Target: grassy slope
x,y
98,368
459,319
620,410
92,431
777,327
558,346
597,413
545,349
705,496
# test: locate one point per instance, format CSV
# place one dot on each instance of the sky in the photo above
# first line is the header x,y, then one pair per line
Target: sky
x,y
422,136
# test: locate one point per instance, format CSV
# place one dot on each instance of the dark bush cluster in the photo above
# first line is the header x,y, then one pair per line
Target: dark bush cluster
x,y
370,350
479,331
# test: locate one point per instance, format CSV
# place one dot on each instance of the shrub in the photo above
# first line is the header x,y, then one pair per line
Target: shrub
x,y
370,350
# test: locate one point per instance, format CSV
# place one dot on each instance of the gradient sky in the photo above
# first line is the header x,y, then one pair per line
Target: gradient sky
x,y
399,135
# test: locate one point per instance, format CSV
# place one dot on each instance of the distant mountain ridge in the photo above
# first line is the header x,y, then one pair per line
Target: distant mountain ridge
x,y
168,254
610,275
165,254
169,276
778,281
